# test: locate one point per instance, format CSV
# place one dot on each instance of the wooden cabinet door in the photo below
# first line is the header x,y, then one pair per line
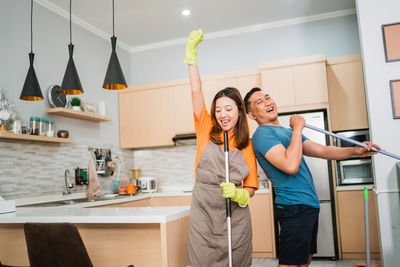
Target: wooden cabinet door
x,y
182,109
171,201
310,83
352,226
245,84
262,221
137,203
279,84
347,104
146,118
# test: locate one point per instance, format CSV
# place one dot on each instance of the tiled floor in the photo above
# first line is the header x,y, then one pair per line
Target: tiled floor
x,y
314,263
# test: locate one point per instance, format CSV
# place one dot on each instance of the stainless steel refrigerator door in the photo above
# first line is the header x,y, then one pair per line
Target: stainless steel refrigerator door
x,y
320,172
325,244
318,167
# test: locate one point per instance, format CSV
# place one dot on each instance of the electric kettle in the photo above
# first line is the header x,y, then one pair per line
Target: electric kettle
x,y
148,184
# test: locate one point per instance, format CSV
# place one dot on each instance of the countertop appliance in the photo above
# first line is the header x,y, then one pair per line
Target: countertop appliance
x,y
322,176
354,170
148,184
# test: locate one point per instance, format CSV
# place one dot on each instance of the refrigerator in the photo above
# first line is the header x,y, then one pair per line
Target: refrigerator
x,y
320,172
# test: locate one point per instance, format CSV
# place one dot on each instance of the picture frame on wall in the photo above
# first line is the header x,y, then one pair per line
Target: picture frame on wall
x,y
89,107
391,41
395,95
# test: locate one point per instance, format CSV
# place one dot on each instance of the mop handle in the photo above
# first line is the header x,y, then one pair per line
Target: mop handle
x,y
366,219
228,200
352,141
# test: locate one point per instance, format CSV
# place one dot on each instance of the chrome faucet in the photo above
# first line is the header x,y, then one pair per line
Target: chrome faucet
x,y
68,185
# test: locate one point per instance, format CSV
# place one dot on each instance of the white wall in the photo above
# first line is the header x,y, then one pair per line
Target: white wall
x,y
332,37
51,39
34,168
384,129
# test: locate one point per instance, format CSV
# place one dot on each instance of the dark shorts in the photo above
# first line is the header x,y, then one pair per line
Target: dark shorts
x,y
298,233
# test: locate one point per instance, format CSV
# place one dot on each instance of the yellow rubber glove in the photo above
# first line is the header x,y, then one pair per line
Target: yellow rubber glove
x,y
239,195
194,39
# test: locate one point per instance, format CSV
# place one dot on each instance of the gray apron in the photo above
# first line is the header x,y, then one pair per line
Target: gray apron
x,y
208,238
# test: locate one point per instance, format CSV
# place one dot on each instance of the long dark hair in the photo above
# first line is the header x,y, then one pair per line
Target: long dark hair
x,y
241,129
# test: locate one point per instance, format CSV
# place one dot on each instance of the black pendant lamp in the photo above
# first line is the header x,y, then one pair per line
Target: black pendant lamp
x,y
31,90
71,84
114,79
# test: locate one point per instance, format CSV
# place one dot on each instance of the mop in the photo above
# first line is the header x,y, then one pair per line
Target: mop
x,y
367,248
228,200
352,141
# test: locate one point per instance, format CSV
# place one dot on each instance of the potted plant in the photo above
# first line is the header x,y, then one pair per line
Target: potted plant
x,y
76,103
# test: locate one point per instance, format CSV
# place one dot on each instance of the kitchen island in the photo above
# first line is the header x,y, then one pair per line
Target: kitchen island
x,y
142,236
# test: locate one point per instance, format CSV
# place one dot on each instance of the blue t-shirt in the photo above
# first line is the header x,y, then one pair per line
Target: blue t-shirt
x,y
289,189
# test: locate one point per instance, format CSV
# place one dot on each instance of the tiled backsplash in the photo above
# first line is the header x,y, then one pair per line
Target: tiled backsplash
x,y
30,169
173,167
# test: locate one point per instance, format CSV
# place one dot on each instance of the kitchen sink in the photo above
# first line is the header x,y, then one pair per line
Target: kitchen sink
x,y
76,201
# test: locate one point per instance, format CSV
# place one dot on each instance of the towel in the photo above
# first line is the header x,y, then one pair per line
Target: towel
x,y
93,189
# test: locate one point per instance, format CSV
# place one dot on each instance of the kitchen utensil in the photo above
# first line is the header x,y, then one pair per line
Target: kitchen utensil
x,y
131,189
148,184
136,173
228,200
352,141
62,133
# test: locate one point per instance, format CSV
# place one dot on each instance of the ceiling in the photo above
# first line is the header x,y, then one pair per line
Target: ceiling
x,y
145,22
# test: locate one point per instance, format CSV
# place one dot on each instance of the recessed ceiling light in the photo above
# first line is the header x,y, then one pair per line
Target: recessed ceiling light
x,y
186,12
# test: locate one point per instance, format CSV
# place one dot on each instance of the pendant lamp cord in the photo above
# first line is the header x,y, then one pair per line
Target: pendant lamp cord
x,y
113,16
70,22
31,25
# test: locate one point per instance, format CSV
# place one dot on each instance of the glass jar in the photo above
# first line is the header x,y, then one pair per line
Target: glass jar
x,y
42,126
50,128
34,123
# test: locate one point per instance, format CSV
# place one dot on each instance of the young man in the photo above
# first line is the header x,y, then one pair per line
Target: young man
x,y
279,152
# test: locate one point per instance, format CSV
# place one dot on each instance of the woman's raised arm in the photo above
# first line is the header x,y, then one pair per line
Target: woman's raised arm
x,y
194,39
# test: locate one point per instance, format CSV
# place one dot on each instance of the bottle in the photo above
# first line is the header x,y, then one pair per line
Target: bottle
x,y
34,123
42,126
50,128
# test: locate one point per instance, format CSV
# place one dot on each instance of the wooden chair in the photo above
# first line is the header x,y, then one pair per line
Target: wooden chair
x,y
55,244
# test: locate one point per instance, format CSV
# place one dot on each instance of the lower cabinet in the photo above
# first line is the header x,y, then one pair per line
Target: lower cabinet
x,y
261,210
171,201
352,226
136,203
262,222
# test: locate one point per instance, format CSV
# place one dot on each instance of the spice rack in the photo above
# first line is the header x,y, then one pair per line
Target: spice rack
x,y
37,138
77,114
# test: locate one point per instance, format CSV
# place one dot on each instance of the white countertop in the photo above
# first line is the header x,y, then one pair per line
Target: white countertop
x,y
97,215
78,212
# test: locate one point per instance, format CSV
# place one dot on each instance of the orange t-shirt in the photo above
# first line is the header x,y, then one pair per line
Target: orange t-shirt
x,y
203,127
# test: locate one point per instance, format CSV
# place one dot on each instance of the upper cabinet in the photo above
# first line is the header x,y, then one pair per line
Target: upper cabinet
x,y
146,116
348,108
296,84
151,114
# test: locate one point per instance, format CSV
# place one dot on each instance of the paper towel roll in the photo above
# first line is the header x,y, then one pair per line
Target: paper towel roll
x,y
102,108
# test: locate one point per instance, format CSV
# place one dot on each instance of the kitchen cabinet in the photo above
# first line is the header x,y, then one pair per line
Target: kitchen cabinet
x,y
146,117
136,203
347,106
296,84
151,114
171,201
66,112
352,226
262,222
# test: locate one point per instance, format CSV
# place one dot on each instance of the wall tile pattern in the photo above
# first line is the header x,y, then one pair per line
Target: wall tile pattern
x,y
173,167
31,169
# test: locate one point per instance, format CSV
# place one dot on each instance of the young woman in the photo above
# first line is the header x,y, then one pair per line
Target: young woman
x,y
208,237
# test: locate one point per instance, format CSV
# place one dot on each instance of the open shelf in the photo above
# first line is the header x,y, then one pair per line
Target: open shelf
x,y
77,114
37,138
